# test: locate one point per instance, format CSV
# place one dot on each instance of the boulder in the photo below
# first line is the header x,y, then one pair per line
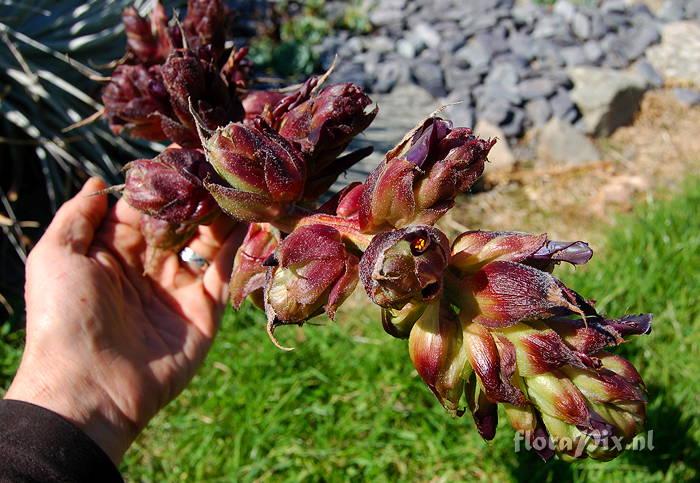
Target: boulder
x,y
606,98
501,158
677,57
560,142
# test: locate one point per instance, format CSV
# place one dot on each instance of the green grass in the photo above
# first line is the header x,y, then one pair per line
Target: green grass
x,y
346,403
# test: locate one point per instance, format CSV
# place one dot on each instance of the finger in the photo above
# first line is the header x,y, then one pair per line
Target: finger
x,y
75,223
210,238
124,214
217,276
121,234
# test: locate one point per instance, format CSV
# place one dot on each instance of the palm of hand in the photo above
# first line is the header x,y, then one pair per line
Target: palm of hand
x,y
97,325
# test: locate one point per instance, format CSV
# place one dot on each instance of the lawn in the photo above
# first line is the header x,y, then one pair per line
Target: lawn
x,y
346,404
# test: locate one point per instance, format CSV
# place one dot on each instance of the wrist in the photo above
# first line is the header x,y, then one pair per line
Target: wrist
x,y
78,400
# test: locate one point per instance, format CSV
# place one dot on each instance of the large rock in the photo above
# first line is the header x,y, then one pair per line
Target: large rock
x,y
501,158
560,142
677,57
606,98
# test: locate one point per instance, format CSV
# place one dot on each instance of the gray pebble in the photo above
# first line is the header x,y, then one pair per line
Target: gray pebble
x,y
429,76
406,48
496,112
652,76
474,54
561,103
581,26
427,34
461,114
537,87
538,111
672,10
514,123
594,53
460,79
381,44
574,55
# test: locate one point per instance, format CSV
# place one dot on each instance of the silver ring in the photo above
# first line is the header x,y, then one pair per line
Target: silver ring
x,y
194,259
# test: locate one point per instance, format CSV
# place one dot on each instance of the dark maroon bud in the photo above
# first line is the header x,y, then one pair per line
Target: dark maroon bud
x,y
170,187
323,126
135,100
189,79
315,273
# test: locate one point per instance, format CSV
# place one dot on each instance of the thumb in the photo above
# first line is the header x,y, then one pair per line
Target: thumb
x,y
75,223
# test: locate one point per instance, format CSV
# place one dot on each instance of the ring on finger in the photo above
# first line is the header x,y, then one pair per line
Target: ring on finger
x,y
193,259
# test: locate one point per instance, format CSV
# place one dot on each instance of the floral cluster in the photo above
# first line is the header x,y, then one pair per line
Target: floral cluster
x,y
486,321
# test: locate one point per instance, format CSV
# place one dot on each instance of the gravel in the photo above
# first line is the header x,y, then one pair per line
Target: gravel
x,y
509,63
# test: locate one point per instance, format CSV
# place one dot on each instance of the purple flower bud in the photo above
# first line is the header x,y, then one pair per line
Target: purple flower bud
x,y
265,172
170,187
556,396
162,239
134,101
237,69
484,411
257,103
539,349
206,24
164,235
436,349
190,79
398,323
494,362
248,276
525,421
147,39
151,40
405,266
323,126
596,333
312,271
419,179
503,293
473,249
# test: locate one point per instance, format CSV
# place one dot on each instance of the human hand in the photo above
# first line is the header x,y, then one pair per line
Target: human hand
x,y
108,346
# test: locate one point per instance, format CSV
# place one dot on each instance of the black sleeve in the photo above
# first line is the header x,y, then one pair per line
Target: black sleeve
x,y
39,445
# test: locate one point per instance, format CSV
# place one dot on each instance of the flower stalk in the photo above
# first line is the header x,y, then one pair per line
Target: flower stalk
x,y
486,320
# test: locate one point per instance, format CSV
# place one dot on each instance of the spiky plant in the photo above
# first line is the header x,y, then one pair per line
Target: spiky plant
x,y
52,57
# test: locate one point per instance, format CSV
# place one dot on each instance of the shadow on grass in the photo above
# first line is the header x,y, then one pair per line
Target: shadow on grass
x,y
672,439
530,468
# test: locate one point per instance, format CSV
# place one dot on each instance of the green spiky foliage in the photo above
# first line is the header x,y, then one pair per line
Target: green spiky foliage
x,y
52,58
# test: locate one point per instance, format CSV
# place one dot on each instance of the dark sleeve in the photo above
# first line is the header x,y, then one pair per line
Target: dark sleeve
x,y
39,445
